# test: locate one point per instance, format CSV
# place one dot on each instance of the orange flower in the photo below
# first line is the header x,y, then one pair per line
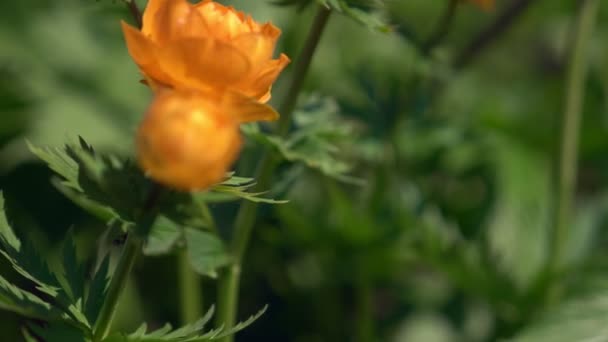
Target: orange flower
x,y
187,141
211,68
209,48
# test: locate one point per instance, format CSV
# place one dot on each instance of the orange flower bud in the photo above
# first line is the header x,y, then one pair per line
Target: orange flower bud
x,y
207,47
188,141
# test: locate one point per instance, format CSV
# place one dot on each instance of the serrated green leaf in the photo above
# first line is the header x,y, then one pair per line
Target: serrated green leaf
x,y
191,330
23,302
162,237
8,238
76,313
236,187
57,331
242,325
97,290
73,270
102,184
189,333
206,252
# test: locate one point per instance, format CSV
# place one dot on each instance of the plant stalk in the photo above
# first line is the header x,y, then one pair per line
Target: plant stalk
x,y
246,216
443,27
131,249
570,121
190,294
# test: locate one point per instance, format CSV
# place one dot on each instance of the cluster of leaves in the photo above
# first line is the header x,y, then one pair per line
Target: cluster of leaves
x,y
318,140
69,302
114,190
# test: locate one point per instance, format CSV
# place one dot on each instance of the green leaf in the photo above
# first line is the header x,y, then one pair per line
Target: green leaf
x,y
162,237
58,331
190,333
23,302
102,184
242,325
97,291
237,187
206,252
584,318
8,238
73,270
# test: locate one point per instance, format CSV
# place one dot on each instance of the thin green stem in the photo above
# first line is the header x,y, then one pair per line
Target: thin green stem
x,y
364,320
131,249
443,27
570,121
246,216
190,294
300,69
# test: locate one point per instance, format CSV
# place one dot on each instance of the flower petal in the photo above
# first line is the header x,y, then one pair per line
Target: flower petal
x,y
258,46
143,52
258,85
196,62
224,22
166,20
247,109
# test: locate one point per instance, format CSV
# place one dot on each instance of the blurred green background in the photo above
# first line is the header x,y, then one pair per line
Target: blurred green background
x,y
448,237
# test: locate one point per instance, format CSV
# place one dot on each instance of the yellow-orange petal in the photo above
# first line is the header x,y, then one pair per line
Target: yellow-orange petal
x,y
165,20
259,84
224,22
199,63
246,109
143,52
187,142
258,46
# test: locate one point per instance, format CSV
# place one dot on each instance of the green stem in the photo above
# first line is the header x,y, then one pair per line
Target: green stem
x,y
567,168
131,250
117,284
190,294
443,27
300,69
364,320
246,216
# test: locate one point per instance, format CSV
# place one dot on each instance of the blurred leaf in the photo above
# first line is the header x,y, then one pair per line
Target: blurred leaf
x,y
582,318
206,252
519,225
162,237
14,105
